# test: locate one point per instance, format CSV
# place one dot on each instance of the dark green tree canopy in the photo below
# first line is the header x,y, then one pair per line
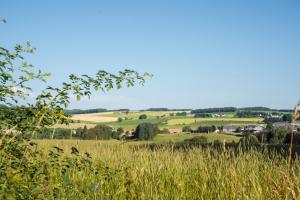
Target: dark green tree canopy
x,y
145,131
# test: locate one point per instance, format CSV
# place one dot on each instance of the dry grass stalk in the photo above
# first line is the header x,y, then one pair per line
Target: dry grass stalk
x,y
295,116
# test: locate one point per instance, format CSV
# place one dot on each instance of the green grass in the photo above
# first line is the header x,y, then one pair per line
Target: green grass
x,y
181,137
132,124
214,121
135,115
129,173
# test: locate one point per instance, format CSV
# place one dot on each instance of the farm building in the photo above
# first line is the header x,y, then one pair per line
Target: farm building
x,y
254,129
287,125
229,129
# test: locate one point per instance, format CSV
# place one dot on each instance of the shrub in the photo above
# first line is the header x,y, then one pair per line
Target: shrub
x,y
145,131
143,116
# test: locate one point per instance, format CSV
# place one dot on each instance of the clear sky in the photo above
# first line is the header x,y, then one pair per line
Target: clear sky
x,y
202,53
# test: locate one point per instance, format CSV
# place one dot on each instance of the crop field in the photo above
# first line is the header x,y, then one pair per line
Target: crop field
x,y
130,173
95,117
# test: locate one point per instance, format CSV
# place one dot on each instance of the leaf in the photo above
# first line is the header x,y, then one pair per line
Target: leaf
x,y
78,97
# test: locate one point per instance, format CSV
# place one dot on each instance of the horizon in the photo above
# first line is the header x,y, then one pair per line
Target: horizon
x,y
202,54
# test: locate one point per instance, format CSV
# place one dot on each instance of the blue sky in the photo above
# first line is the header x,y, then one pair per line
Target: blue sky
x,y
202,53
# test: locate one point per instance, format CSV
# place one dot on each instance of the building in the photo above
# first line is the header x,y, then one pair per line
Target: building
x,y
286,124
254,129
229,129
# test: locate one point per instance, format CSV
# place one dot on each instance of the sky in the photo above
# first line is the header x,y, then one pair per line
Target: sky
x,y
202,53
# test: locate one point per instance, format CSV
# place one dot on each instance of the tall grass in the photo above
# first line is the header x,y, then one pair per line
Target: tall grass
x,y
165,173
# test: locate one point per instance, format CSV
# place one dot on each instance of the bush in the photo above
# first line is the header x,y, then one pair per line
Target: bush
x,y
145,131
199,139
143,116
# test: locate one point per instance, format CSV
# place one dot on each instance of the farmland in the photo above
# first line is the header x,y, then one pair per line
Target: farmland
x,y
162,119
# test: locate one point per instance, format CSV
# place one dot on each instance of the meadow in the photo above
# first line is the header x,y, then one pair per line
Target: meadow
x,y
139,173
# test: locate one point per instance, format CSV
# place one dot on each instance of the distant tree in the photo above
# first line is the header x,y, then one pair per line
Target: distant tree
x,y
143,116
206,129
186,129
172,114
120,130
214,110
287,118
100,132
145,131
181,114
202,115
120,119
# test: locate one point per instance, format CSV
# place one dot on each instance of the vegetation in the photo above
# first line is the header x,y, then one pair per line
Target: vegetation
x,y
143,116
215,110
199,139
145,131
119,172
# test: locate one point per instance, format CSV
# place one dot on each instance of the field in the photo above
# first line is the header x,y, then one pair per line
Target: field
x,y
162,119
181,137
127,173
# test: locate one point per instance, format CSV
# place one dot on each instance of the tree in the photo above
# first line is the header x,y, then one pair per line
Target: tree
x,y
143,116
181,114
145,131
120,119
186,129
287,118
99,132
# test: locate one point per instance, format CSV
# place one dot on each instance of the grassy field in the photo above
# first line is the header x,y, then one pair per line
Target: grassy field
x,y
214,121
127,173
181,137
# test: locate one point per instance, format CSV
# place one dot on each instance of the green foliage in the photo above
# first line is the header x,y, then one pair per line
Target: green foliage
x,y
181,114
186,129
78,111
247,113
287,117
99,132
120,119
198,139
29,173
202,115
206,129
275,135
145,131
143,116
214,110
249,140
